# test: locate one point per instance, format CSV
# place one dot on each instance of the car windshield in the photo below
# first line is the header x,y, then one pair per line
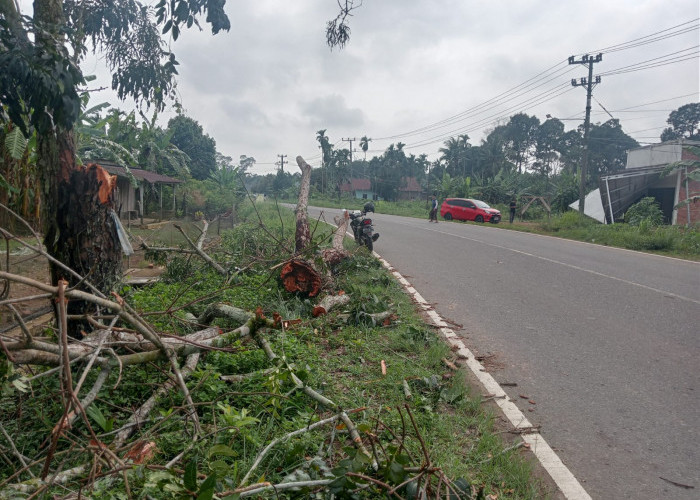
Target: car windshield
x,y
481,204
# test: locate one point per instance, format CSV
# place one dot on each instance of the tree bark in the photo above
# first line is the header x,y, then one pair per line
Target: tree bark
x,y
333,256
303,235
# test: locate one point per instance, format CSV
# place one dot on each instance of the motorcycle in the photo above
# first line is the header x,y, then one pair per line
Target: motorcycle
x,y
362,229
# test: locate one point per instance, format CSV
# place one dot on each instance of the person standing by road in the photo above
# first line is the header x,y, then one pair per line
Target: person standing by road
x,y
433,210
513,206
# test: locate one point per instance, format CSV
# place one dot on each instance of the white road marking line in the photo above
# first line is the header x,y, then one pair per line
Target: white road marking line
x,y
560,474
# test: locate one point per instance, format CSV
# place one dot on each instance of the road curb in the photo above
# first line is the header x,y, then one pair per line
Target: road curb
x,y
550,461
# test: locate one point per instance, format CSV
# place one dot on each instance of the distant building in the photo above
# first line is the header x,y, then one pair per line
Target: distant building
x,y
409,189
360,189
129,198
642,177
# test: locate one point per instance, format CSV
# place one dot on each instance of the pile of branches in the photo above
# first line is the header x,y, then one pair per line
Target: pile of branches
x,y
122,338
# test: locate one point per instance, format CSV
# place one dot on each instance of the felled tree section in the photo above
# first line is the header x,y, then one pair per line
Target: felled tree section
x,y
303,234
299,277
333,256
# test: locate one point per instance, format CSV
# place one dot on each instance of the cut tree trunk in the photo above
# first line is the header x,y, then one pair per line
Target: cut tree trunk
x,y
303,234
333,256
79,230
300,277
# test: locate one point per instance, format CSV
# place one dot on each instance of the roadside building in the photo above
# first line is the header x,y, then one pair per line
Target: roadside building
x,y
360,189
129,199
410,189
644,176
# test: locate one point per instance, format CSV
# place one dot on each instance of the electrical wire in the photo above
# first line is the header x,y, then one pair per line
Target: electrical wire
x,y
542,79
651,38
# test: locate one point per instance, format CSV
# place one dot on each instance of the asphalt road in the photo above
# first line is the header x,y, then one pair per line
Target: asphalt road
x,y
606,342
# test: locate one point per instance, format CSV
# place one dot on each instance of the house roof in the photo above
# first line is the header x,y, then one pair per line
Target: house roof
x,y
139,174
411,185
356,185
621,189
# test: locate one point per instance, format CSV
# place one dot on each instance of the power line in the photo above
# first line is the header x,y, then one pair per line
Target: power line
x,y
651,38
691,57
541,79
512,93
651,62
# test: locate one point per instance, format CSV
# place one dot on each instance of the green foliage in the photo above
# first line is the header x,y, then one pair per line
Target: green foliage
x,y
44,79
96,414
329,354
568,221
646,210
685,123
15,143
189,137
10,380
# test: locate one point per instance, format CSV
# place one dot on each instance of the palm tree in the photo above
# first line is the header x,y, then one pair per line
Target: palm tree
x,y
450,154
326,147
364,144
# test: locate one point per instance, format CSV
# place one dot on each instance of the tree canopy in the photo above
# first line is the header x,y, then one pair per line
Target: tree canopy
x,y
189,137
41,76
685,123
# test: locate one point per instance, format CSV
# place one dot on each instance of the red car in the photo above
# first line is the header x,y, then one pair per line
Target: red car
x,y
468,209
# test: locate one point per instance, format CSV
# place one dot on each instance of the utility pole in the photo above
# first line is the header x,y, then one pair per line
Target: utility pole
x,y
589,61
281,162
350,141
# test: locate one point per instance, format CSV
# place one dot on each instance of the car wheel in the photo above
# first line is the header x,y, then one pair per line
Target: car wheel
x,y
479,219
448,216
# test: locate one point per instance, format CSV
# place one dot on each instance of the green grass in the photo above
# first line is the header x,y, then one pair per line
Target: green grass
x,y
339,355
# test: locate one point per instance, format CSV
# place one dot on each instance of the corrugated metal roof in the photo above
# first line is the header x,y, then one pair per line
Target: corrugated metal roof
x,y
620,190
139,174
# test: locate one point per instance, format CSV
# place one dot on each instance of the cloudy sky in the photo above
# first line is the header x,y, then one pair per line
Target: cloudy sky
x,y
421,71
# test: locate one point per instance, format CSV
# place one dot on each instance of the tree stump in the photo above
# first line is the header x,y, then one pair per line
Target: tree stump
x,y
299,277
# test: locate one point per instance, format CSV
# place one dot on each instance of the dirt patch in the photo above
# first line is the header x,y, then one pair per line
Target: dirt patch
x,y
27,299
24,262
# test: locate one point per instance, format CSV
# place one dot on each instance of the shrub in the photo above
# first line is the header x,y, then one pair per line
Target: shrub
x,y
647,209
568,220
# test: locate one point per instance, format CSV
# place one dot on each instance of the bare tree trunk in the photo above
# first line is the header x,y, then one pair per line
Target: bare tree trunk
x,y
303,234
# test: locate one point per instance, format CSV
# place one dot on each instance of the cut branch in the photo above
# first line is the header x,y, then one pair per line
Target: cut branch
x,y
198,248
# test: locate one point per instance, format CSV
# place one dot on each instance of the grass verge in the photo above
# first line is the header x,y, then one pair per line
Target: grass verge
x,y
340,355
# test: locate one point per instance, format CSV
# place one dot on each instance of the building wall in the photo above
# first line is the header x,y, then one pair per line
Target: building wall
x,y
649,156
125,196
364,195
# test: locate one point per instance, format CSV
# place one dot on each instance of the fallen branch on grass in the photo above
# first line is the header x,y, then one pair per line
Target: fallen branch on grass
x,y
198,248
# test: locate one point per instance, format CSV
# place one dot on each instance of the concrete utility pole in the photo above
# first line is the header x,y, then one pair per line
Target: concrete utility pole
x,y
281,162
350,141
589,61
